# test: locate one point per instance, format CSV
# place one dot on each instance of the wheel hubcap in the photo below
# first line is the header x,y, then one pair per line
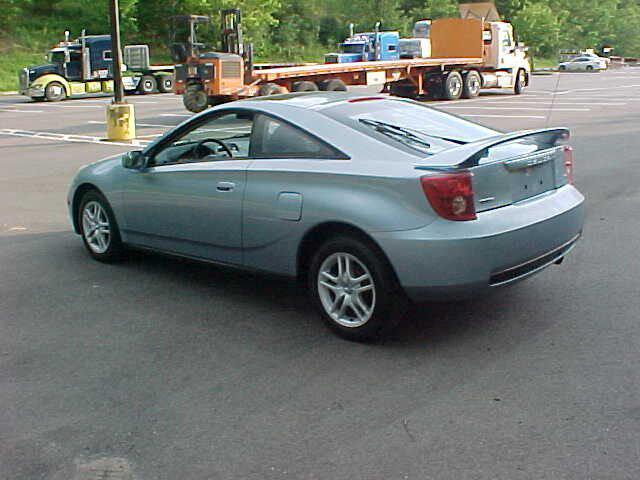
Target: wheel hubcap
x,y
346,290
95,227
455,87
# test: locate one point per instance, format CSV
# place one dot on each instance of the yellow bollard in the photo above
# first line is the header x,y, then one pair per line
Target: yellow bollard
x,y
121,122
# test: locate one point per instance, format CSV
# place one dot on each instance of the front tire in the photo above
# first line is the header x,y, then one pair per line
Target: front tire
x,y
520,83
98,228
55,92
354,289
194,99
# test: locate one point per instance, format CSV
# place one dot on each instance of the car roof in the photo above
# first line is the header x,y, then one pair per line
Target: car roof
x,y
316,101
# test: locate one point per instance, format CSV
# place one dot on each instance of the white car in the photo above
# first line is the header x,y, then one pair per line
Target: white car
x,y
583,63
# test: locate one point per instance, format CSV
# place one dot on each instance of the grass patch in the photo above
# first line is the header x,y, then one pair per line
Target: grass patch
x,y
11,63
540,62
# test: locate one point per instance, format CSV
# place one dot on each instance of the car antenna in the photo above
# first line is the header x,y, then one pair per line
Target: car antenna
x,y
553,99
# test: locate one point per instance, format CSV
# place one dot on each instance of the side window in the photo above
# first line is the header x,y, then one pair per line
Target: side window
x,y
106,55
220,138
273,138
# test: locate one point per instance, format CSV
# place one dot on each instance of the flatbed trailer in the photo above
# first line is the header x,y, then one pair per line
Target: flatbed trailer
x,y
467,55
404,77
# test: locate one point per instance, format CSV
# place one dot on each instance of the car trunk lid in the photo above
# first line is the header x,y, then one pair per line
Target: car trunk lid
x,y
508,168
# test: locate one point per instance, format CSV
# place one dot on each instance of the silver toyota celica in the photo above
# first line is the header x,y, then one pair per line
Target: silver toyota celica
x,y
371,201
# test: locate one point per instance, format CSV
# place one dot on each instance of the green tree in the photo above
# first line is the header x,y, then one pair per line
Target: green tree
x,y
537,25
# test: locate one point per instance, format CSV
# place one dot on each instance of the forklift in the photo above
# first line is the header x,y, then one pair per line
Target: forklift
x,y
195,67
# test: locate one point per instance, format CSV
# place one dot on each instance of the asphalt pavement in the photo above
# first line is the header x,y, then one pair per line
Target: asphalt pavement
x,y
158,368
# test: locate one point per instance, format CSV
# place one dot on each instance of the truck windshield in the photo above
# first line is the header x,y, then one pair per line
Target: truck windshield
x,y
56,56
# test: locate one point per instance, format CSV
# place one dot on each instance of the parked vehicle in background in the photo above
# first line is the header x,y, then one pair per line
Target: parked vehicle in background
x,y
586,63
367,47
84,68
369,201
467,55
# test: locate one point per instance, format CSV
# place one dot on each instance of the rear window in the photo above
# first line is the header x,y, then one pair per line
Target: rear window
x,y
408,125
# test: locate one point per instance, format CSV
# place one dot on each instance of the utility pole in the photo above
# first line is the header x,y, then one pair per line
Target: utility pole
x,y
121,123
116,53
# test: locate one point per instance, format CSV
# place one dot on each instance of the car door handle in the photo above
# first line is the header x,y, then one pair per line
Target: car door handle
x,y
225,186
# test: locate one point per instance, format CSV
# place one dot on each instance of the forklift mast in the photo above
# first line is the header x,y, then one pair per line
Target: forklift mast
x,y
231,38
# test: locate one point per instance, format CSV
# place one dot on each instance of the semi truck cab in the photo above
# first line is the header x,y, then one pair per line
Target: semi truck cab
x,y
367,46
84,67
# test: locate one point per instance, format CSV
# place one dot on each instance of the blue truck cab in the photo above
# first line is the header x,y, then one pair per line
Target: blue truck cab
x,y
367,47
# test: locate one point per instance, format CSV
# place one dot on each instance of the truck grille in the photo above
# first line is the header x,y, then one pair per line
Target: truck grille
x,y
23,79
231,69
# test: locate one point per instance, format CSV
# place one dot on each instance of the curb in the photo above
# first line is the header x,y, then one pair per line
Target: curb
x,y
9,93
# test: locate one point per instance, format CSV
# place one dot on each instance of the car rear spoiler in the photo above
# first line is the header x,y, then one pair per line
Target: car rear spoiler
x,y
470,154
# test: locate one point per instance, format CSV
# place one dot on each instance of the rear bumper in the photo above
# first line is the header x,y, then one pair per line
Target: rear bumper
x,y
454,260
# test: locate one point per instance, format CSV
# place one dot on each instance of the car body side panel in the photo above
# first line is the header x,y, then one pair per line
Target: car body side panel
x,y
368,203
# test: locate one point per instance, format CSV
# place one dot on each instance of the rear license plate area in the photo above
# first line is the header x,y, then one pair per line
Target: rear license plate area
x,y
532,180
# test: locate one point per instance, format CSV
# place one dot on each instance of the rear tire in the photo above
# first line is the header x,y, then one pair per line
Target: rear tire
x,y
148,84
589,68
562,68
452,86
471,84
98,228
361,301
333,85
194,99
165,83
55,92
304,86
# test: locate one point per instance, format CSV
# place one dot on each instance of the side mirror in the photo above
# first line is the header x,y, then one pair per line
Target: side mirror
x,y
134,160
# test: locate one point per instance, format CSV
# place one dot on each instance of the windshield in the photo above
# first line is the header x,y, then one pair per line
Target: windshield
x,y
419,128
56,56
352,48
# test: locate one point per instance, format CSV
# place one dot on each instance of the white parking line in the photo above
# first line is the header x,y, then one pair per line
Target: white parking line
x,y
176,115
150,125
500,116
68,137
550,102
20,111
471,107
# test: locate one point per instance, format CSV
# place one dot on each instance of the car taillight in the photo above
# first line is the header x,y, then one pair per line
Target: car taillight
x,y
450,195
568,163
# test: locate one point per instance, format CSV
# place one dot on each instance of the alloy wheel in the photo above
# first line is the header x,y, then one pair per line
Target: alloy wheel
x,y
346,290
95,227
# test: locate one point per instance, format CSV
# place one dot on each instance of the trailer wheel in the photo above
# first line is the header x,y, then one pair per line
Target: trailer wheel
x,y
404,90
165,83
194,99
148,84
54,92
333,85
269,89
471,84
520,83
304,86
452,87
